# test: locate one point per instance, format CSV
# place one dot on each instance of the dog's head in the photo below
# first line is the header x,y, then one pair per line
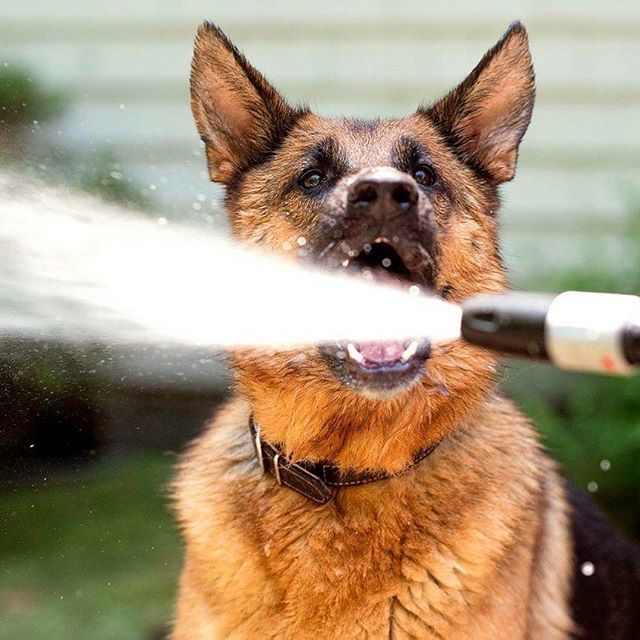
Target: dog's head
x,y
413,201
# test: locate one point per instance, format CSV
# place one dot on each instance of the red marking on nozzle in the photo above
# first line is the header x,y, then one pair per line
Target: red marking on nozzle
x,y
608,363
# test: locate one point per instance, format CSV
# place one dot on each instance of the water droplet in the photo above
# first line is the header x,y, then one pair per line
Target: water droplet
x,y
605,464
196,206
587,569
301,241
414,290
592,486
386,263
162,222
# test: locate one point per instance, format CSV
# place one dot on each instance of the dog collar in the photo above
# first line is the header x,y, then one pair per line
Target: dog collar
x,y
315,479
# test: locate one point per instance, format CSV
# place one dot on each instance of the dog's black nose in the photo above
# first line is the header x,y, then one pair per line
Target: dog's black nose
x,y
383,192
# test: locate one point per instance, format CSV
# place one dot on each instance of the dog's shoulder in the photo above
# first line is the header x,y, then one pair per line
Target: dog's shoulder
x,y
223,449
606,578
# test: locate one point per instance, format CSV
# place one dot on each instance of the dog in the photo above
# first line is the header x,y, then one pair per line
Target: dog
x,y
382,490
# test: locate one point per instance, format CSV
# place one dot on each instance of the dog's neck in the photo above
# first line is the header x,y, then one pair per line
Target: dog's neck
x,y
351,431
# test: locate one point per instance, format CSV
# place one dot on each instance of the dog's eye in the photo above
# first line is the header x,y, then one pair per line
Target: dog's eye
x,y
424,175
311,179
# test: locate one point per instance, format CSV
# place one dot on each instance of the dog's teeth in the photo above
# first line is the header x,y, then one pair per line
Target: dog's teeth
x,y
345,263
410,350
354,354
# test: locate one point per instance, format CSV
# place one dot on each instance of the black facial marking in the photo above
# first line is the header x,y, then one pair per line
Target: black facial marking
x,y
324,154
327,158
409,154
447,291
236,181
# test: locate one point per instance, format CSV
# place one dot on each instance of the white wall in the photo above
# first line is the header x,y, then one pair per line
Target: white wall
x,y
128,64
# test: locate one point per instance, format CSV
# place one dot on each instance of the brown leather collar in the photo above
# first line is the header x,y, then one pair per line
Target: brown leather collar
x,y
315,479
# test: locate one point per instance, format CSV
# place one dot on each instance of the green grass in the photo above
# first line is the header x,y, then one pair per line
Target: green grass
x,y
97,557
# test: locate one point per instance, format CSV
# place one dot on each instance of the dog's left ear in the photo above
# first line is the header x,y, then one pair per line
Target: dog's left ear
x,y
486,115
239,115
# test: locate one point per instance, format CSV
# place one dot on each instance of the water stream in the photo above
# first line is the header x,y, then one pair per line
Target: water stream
x,y
75,269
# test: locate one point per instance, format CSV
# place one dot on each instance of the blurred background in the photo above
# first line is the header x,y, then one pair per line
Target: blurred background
x,y
94,96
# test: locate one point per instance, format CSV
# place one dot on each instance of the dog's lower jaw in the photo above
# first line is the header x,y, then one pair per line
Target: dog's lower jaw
x,y
447,550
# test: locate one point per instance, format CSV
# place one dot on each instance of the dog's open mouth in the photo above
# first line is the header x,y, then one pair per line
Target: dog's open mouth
x,y
388,365
373,355
380,260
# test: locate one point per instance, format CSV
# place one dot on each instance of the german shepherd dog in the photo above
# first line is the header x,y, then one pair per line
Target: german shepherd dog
x,y
382,490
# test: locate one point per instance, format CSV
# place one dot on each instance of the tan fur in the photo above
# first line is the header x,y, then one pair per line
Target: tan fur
x,y
471,543
315,416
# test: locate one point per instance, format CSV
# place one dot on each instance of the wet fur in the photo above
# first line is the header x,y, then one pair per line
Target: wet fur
x,y
475,541
472,543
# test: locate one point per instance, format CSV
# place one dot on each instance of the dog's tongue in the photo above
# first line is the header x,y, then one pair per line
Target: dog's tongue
x,y
380,352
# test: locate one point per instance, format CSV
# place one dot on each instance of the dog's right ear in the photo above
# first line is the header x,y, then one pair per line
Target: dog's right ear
x,y
239,115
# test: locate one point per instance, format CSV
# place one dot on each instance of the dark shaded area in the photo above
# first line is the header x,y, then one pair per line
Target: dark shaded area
x,y
61,407
49,410
606,585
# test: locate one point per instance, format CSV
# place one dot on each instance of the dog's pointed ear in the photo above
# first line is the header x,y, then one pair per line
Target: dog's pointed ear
x,y
239,115
486,115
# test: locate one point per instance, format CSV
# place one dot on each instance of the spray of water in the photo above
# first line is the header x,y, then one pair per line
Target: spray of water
x,y
75,269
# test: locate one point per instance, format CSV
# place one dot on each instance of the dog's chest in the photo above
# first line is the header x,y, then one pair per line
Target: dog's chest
x,y
395,574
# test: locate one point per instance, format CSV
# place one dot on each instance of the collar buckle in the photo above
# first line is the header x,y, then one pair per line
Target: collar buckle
x,y
257,443
276,468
